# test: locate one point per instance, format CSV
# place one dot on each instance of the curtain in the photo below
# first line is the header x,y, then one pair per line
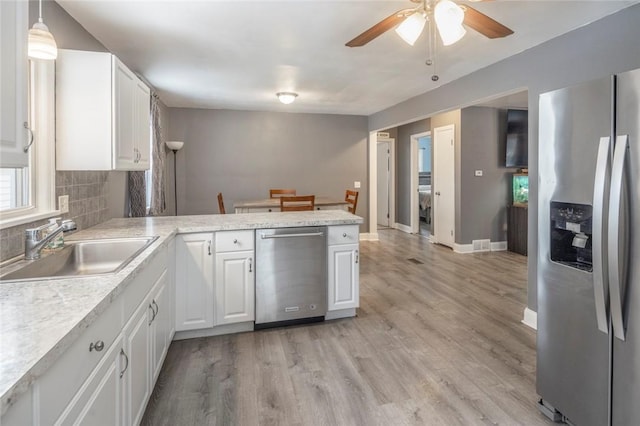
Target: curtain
x,y
137,194
159,158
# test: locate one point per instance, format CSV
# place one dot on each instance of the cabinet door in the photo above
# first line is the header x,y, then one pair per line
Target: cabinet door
x,y
171,288
344,275
194,281
160,325
124,116
13,83
137,371
142,129
235,287
100,400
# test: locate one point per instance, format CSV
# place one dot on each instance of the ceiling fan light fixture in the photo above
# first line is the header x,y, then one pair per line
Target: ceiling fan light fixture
x,y
41,43
449,17
412,27
286,97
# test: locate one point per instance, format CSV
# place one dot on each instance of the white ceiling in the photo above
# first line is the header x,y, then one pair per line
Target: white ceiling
x,y
237,54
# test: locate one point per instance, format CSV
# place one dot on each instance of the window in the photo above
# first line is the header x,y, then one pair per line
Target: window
x,y
28,193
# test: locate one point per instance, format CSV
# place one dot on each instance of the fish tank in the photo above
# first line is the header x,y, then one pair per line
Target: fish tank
x,y
520,189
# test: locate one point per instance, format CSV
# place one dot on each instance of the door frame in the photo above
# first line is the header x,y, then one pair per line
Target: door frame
x,y
392,179
415,200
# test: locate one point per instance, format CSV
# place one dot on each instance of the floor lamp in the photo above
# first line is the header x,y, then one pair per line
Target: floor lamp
x,y
175,146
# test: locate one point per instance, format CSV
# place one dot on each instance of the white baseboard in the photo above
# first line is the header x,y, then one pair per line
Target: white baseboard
x,y
341,313
369,236
499,246
402,227
468,248
214,331
530,318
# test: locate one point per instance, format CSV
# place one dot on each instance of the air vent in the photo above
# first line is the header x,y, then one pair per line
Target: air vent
x,y
481,245
416,261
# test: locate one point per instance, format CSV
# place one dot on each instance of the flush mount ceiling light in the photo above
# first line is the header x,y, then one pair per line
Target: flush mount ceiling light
x,y
286,97
42,45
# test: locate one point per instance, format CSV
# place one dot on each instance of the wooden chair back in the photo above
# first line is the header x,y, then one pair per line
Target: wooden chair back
x,y
351,197
275,193
220,203
297,203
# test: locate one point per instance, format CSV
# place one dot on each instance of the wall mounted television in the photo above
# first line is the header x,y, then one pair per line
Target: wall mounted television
x,y
517,144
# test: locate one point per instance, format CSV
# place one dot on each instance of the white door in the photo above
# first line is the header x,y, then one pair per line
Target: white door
x,y
137,371
443,185
124,112
235,296
160,326
194,281
344,266
383,182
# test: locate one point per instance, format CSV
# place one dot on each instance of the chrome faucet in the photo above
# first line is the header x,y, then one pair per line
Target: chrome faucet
x,y
34,243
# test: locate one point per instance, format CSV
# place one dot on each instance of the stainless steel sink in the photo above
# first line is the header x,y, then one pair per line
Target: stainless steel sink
x,y
81,258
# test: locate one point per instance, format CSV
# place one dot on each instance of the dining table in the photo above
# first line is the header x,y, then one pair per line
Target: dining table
x,y
273,205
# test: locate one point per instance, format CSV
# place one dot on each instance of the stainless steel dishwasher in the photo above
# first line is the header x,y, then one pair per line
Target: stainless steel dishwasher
x,y
291,276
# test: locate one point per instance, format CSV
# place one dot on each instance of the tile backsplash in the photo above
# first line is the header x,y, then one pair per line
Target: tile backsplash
x,y
88,192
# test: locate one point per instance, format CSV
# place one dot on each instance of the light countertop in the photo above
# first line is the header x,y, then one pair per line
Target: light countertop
x,y
39,320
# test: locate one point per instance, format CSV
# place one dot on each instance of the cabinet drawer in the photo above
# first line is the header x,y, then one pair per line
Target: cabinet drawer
x,y
234,241
61,382
344,234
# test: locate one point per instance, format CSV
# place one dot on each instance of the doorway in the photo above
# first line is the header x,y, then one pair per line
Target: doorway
x,y
443,185
385,183
421,183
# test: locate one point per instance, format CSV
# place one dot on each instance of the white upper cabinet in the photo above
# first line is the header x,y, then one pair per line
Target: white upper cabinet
x,y
103,114
13,83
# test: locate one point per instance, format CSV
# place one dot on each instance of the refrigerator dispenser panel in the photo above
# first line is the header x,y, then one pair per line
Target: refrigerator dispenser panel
x,y
571,235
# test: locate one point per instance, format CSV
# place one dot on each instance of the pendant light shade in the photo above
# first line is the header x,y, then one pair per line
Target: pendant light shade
x,y
411,28
42,45
449,17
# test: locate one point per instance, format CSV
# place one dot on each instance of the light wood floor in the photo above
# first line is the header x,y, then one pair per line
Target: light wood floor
x,y
435,343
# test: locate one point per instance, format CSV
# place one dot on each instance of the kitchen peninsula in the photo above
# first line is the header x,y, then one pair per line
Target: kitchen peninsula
x,y
68,343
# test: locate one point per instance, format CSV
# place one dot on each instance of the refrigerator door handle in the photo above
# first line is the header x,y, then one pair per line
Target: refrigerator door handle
x,y
616,268
600,185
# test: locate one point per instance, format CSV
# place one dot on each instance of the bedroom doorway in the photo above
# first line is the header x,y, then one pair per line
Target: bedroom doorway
x,y
421,151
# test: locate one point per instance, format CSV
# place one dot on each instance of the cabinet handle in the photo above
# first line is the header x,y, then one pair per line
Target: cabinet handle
x,y
126,365
26,126
209,248
235,241
153,313
157,309
344,235
357,256
97,346
250,264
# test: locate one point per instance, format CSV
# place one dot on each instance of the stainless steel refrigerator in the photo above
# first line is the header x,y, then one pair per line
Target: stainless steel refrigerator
x,y
588,348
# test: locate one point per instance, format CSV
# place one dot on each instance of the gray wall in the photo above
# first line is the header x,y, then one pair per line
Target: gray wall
x,y
609,45
484,200
244,153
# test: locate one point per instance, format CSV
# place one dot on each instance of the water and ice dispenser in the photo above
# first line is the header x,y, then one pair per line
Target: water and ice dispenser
x,y
571,235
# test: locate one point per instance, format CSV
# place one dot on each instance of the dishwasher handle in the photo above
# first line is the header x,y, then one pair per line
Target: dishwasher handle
x,y
303,234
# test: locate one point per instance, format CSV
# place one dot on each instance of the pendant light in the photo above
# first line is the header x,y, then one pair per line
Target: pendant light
x,y
42,45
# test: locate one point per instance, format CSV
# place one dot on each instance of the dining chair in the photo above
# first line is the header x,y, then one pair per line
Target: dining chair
x,y
276,193
297,203
351,197
220,203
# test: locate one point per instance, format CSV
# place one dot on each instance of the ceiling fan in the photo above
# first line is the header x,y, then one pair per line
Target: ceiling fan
x,y
448,17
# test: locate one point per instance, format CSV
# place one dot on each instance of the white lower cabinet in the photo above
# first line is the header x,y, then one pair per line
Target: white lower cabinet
x,y
194,281
344,268
100,401
235,288
161,324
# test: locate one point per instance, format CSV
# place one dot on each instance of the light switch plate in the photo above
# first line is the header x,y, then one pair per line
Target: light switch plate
x,y
356,184
63,203
478,172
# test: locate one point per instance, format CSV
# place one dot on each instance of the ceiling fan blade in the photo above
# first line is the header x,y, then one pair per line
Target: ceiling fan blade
x,y
484,24
380,28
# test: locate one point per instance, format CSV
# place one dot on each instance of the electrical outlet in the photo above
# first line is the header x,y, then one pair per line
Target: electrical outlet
x,y
63,203
478,173
356,184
